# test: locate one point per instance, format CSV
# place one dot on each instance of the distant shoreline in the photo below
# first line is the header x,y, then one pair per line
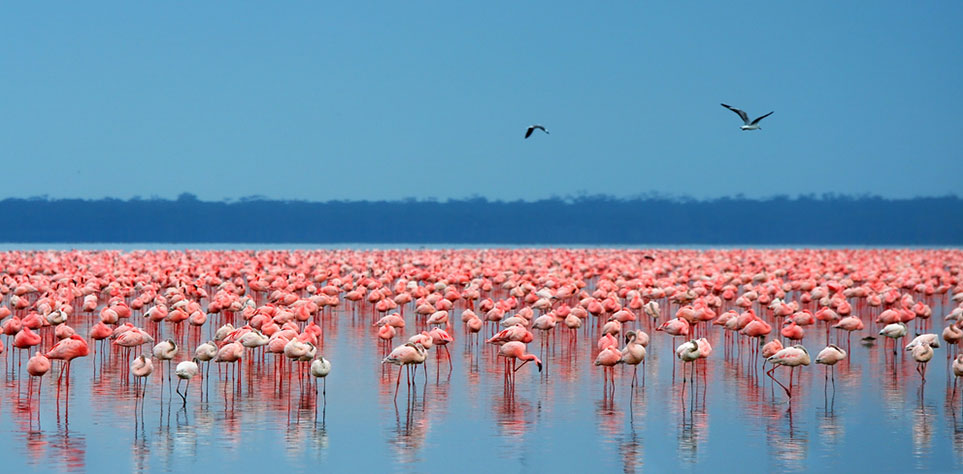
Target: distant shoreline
x,y
807,221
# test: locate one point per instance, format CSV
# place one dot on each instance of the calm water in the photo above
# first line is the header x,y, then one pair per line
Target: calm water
x,y
879,419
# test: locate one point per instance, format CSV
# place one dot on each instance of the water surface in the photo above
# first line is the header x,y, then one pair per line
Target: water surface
x,y
880,416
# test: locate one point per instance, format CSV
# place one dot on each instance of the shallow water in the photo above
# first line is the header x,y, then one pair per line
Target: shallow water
x,y
880,418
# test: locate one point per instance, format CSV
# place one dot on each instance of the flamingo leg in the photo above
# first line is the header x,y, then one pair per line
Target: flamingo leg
x,y
179,392
771,376
448,355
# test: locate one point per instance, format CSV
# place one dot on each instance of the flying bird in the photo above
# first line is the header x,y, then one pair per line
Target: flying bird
x,y
532,128
754,125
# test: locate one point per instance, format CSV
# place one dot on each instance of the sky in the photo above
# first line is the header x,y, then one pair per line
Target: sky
x,y
391,100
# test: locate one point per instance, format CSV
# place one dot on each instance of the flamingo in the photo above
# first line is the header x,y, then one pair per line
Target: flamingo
x,y
406,355
634,353
952,334
770,349
37,366
185,370
688,352
894,331
514,350
165,351
141,367
231,353
931,340
68,350
607,359
922,354
206,352
829,357
320,368
957,371
792,357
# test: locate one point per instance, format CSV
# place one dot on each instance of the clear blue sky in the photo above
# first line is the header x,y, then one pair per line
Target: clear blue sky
x,y
385,100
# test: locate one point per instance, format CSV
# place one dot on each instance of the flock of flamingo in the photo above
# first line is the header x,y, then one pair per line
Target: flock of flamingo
x,y
170,314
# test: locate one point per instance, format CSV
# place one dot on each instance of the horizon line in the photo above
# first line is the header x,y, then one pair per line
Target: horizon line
x,y
190,197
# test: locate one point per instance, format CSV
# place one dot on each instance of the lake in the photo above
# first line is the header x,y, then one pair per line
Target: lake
x,y
879,417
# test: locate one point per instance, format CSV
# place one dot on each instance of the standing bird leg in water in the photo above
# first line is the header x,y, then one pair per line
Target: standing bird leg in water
x,y
687,352
634,353
166,351
37,366
68,350
206,353
512,351
957,371
406,355
922,354
607,359
185,370
320,368
829,356
141,367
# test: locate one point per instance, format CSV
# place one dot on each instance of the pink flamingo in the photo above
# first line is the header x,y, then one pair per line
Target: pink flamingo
x,y
406,355
512,351
792,357
68,350
37,366
829,357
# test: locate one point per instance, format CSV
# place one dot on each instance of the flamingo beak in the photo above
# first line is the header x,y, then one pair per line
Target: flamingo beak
x,y
539,365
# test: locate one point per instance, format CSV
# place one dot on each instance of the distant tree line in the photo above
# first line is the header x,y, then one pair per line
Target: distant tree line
x,y
827,220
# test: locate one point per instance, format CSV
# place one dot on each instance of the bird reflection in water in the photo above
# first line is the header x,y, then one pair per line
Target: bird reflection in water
x,y
831,431
512,423
922,431
692,432
409,434
787,444
61,451
631,446
689,403
139,448
957,427
305,438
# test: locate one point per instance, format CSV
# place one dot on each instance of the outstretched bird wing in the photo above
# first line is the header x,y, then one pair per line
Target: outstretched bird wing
x,y
532,128
742,115
760,118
